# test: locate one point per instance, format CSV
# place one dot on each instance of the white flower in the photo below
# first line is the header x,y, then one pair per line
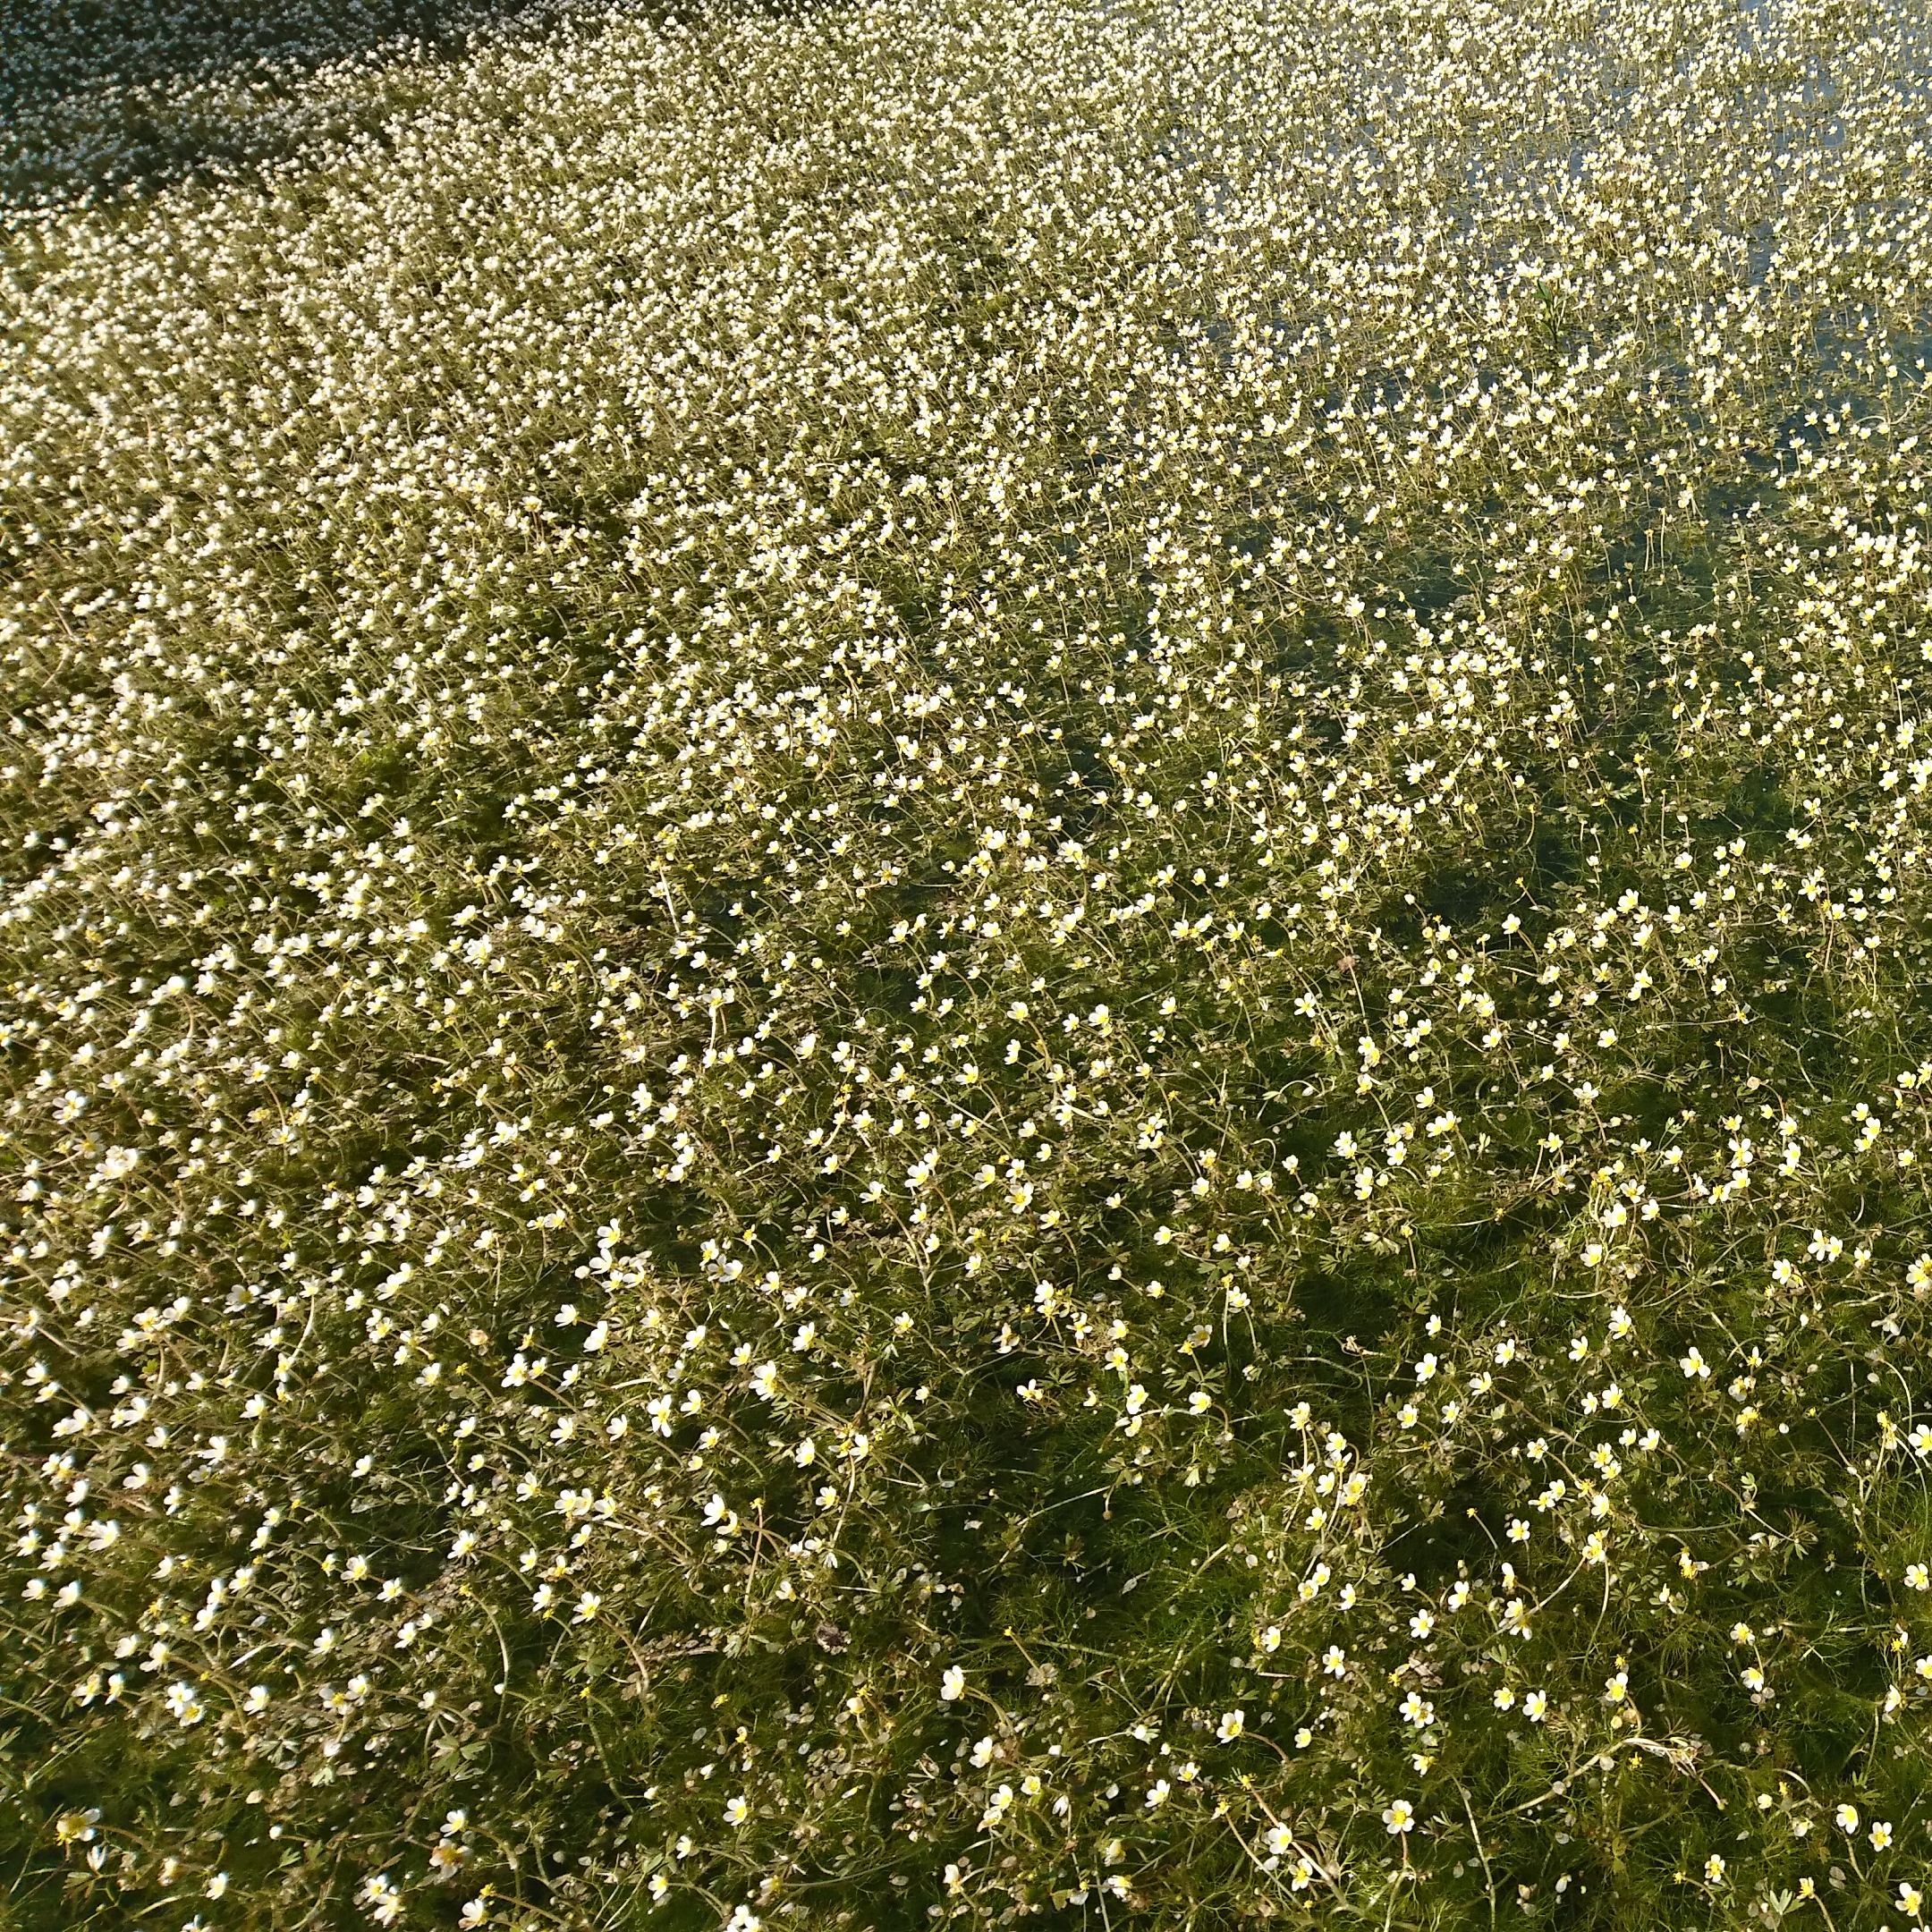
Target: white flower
x,y
384,1901
184,1704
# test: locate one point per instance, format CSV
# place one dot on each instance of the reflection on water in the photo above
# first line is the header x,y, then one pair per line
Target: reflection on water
x,y
1760,128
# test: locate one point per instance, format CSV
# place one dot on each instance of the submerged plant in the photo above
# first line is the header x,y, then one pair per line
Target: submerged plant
x,y
963,962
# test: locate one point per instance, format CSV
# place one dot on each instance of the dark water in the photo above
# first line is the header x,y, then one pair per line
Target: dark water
x,y
105,96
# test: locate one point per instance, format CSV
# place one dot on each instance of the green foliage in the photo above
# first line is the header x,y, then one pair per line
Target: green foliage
x,y
966,963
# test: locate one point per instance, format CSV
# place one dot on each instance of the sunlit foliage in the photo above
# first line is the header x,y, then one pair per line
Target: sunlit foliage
x,y
965,962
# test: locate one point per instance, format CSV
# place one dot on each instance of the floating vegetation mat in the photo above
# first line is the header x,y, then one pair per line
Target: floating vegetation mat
x,y
965,962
